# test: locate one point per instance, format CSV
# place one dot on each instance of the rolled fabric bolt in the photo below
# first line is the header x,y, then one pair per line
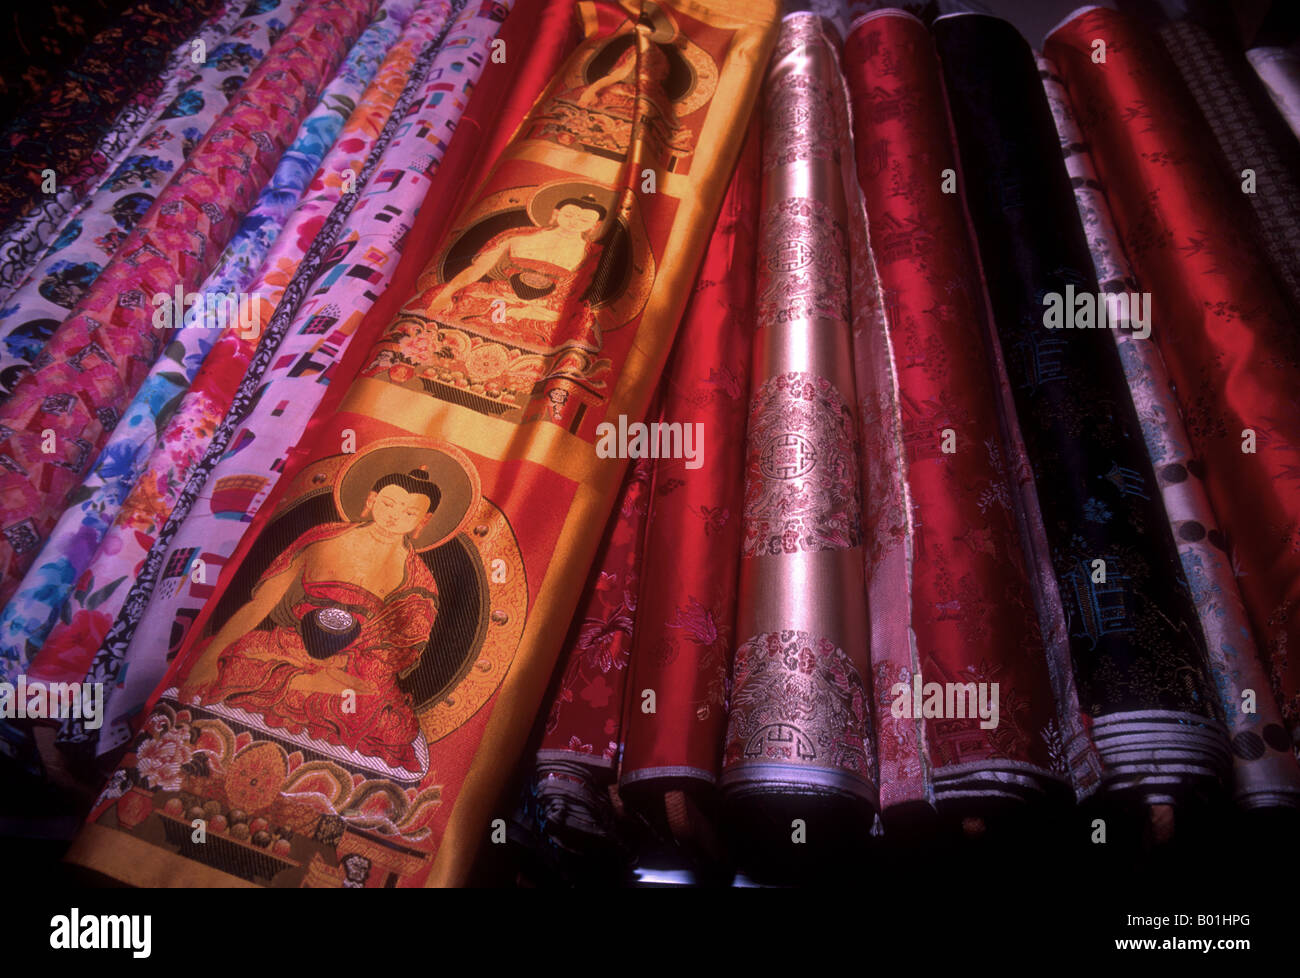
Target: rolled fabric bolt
x,y
1265,772
1221,324
1136,642
799,726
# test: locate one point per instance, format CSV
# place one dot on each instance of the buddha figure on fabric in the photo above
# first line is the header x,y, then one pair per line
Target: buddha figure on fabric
x,y
351,606
534,279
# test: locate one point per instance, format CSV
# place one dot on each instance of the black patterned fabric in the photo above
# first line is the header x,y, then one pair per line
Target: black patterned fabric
x,y
63,124
41,40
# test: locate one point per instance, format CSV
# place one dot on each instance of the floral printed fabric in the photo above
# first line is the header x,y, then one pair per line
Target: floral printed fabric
x,y
147,423
87,243
60,416
24,242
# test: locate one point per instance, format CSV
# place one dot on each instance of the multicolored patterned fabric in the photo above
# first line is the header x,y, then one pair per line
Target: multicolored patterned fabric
x,y
24,241
60,415
399,151
87,243
119,540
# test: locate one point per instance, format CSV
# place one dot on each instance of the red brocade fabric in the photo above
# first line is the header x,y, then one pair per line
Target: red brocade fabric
x,y
686,620
585,715
1218,317
973,613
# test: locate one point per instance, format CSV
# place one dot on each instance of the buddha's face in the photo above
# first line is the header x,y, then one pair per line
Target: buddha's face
x,y
398,511
577,219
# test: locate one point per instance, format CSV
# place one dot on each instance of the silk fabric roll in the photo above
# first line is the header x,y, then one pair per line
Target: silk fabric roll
x,y
511,502
1264,771
973,613
1139,655
60,415
577,761
799,727
683,641
1222,327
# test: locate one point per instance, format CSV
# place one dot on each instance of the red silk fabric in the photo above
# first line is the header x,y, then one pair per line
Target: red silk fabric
x,y
585,714
1218,317
973,611
686,618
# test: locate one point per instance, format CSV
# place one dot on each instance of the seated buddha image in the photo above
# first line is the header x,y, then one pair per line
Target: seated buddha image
x,y
350,606
525,286
632,98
